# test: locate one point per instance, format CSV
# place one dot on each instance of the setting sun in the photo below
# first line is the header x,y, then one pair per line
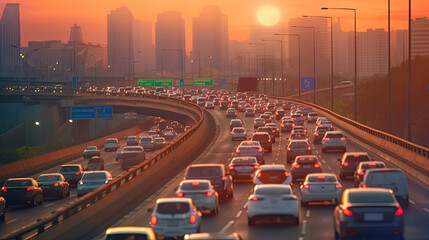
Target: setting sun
x,y
268,15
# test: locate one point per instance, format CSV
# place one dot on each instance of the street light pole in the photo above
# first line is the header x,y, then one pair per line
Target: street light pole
x,y
389,97
409,72
281,57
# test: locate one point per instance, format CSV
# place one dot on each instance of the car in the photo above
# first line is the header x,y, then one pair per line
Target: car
x,y
159,143
251,151
297,136
259,108
238,133
299,128
223,105
201,101
243,168
361,169
132,140
303,165
170,136
272,174
266,117
209,105
275,129
271,107
258,122
111,144
202,193
349,162
280,113
136,233
321,187
298,119
235,123
272,201
312,117
249,112
231,113
334,140
72,173
92,180
327,124
95,164
264,139
268,130
22,191
54,185
2,209
147,143
175,217
390,178
320,119
216,173
213,236
216,101
286,125
296,148
319,133
368,212
250,143
90,152
131,156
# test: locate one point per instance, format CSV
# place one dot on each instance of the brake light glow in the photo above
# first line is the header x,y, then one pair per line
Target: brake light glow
x,y
153,220
4,190
269,140
192,219
398,211
356,155
321,177
238,150
347,212
364,186
316,134
288,148
326,139
29,189
180,194
361,173
338,186
309,148
372,164
255,166
306,186
259,174
286,173
316,165
208,194
78,172
345,164
56,184
231,167
195,183
297,166
343,139
256,199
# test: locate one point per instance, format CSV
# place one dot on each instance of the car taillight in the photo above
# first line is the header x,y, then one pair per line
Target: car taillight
x,y
306,186
309,148
364,186
56,184
361,173
297,166
338,186
347,212
231,167
238,150
269,140
192,219
345,164
398,211
256,199
29,189
260,150
208,194
255,166
153,220
259,174
286,173
77,173
316,165
326,139
288,148
180,194
316,134
4,190
343,139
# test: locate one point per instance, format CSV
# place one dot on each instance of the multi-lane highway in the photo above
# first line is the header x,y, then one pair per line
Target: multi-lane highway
x,y
316,221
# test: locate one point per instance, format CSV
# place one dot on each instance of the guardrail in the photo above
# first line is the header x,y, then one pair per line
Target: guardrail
x,y
423,151
84,202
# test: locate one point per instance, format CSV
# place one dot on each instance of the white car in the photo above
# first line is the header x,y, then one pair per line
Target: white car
x,y
320,119
321,187
239,133
334,140
175,217
202,194
272,201
111,144
250,143
272,174
130,233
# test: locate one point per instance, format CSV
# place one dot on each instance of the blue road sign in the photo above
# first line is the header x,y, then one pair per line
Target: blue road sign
x,y
307,84
83,112
105,112
74,81
222,81
182,82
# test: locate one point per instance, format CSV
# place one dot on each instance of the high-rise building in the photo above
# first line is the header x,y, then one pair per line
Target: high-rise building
x,y
340,50
120,49
144,57
170,48
76,34
10,39
210,39
420,37
372,52
399,46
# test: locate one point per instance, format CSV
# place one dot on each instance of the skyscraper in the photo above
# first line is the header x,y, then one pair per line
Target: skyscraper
x,y
76,34
420,37
170,48
10,39
120,49
210,38
143,47
372,52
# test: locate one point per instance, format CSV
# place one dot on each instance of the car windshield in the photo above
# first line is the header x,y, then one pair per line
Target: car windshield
x,y
111,141
18,183
49,178
357,158
204,172
173,208
370,197
321,178
94,176
273,191
91,148
194,186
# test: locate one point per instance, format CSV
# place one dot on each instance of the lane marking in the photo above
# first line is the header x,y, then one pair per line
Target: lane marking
x,y
239,214
307,214
304,227
323,161
49,204
13,220
329,168
73,195
227,226
411,201
300,238
245,205
427,210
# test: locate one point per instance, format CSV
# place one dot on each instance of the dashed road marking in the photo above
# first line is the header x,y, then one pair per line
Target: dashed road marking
x,y
73,195
47,205
307,214
323,161
304,227
245,205
411,201
330,169
427,210
239,214
300,238
13,220
227,226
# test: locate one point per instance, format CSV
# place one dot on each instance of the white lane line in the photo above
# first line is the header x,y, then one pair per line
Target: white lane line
x,y
300,238
411,201
13,220
109,163
329,168
49,204
73,195
239,214
427,210
232,154
227,226
323,161
245,205
307,214
304,227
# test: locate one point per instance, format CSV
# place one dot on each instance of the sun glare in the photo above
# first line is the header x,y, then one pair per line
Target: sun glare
x,y
268,15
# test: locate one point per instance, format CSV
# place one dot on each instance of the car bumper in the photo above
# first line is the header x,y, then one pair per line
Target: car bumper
x,y
207,203
319,197
253,210
239,137
333,146
52,192
175,231
372,229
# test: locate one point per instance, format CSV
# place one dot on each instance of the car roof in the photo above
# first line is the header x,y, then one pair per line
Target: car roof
x,y
275,186
211,236
173,199
103,171
334,132
322,174
47,174
20,179
356,153
122,230
273,167
385,170
297,140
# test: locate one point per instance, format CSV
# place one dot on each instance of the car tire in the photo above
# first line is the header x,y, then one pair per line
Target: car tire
x,y
337,236
231,195
3,216
250,221
342,177
296,221
34,202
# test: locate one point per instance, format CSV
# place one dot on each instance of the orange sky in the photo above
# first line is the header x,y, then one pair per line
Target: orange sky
x,y
52,19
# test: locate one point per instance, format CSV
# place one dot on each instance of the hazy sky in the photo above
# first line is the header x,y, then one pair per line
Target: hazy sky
x,y
52,19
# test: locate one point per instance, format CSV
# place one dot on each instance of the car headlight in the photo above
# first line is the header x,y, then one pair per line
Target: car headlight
x,y
81,182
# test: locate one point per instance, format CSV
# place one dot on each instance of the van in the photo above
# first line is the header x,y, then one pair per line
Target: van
x,y
390,178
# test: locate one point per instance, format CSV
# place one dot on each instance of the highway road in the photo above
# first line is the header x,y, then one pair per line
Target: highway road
x,y
18,216
316,221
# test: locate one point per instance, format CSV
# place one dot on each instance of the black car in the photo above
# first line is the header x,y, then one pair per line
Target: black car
x,y
280,114
72,173
22,191
303,165
243,168
2,209
132,141
54,185
349,163
216,173
319,133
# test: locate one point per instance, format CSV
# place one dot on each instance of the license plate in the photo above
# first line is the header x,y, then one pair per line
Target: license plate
x,y
173,224
306,166
373,217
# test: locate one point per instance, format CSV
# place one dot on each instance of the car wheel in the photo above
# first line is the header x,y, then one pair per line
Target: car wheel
x,y
296,221
34,202
342,177
3,216
337,236
250,221
231,195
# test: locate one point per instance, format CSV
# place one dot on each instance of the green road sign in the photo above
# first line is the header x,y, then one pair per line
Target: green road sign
x,y
155,82
203,81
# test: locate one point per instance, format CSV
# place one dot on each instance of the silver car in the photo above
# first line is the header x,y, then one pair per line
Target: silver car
x,y
159,142
238,133
147,143
115,233
320,187
112,144
92,180
334,140
202,193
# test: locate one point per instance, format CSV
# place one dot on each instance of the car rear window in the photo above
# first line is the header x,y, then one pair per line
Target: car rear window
x,y
95,160
298,144
357,158
111,141
260,137
272,176
173,208
18,183
94,176
146,139
131,138
321,178
239,130
204,172
49,178
244,151
370,197
91,148
307,160
194,186
132,149
273,191
368,166
334,135
127,236
378,177
298,135
70,169
244,161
